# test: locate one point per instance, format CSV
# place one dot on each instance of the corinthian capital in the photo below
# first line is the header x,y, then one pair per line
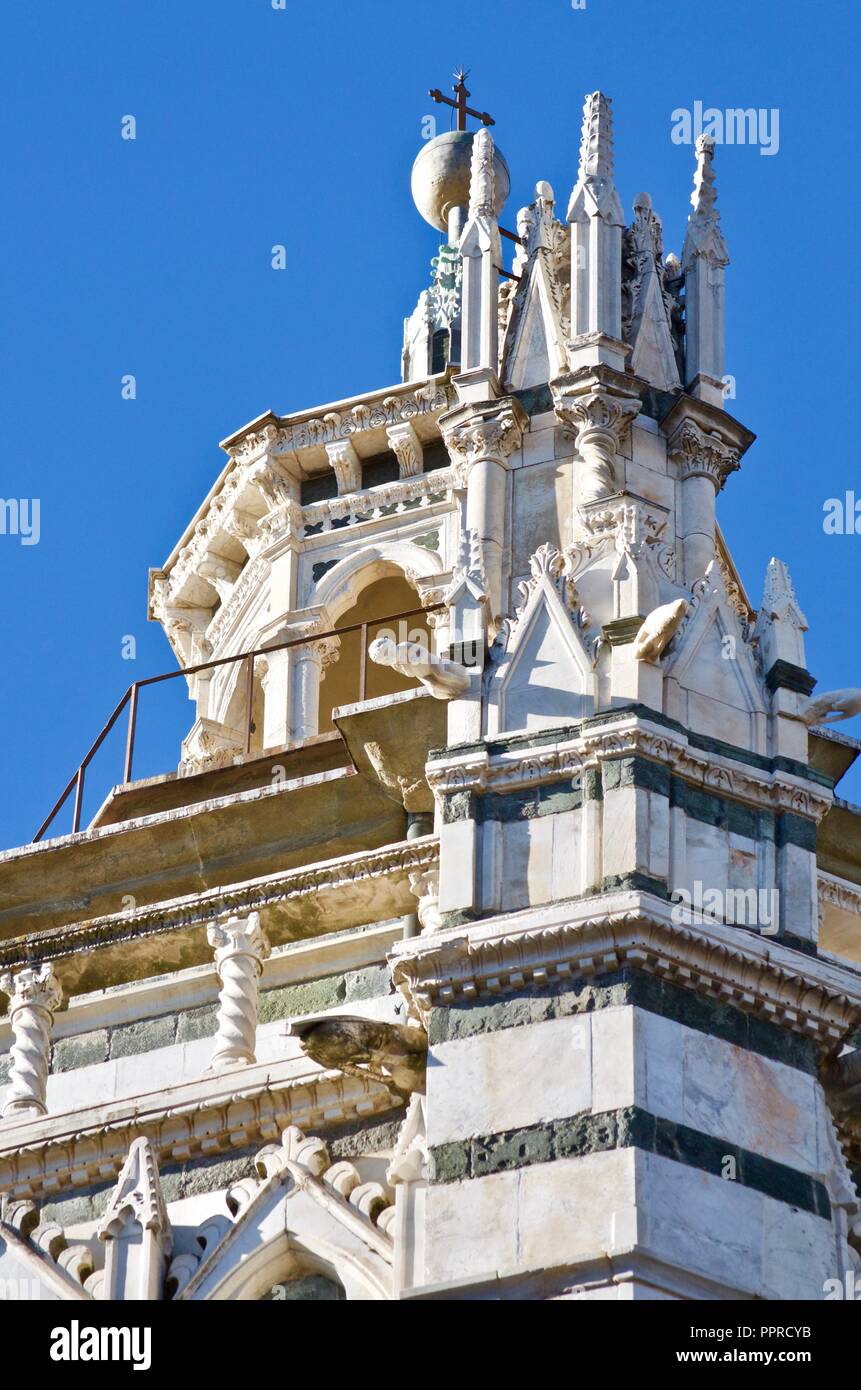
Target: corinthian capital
x,y
598,405
488,431
699,454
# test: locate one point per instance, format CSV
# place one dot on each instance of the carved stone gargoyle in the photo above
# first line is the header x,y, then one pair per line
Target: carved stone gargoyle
x,y
390,1053
832,706
444,679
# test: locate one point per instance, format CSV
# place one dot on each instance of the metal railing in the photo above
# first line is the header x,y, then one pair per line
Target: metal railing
x,y
130,702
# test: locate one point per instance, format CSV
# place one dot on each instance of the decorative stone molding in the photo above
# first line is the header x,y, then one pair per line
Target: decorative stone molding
x,y
188,1120
296,435
598,404
601,935
347,466
699,454
735,593
838,892
390,500
298,1188
629,737
251,581
407,447
199,910
241,946
34,997
493,430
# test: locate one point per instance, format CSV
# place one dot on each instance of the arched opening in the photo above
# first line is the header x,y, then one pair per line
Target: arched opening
x,y
375,604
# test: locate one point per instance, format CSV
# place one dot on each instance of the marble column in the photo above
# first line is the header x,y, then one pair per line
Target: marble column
x,y
34,996
311,663
481,439
241,946
704,462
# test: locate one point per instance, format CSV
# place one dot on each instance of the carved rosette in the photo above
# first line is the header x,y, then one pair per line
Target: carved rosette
x,y
599,412
702,455
478,437
34,996
241,946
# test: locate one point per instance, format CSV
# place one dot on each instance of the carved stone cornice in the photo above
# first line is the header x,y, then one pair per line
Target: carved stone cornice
x,y
478,771
218,1113
602,934
266,463
197,911
598,404
839,893
482,430
314,431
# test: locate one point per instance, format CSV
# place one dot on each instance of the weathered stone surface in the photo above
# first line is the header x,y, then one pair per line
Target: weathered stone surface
x,y
310,998
131,1038
197,1023
80,1051
368,983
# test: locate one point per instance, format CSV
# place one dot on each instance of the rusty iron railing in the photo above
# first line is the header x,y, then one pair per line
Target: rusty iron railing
x,y
130,702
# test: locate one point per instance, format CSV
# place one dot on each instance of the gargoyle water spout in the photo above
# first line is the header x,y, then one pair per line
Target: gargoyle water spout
x,y
444,679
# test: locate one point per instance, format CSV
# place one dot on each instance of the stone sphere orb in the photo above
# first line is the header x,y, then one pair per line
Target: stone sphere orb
x,y
440,177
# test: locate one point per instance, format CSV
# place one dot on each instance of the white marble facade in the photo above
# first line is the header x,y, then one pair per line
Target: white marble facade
x,y
600,907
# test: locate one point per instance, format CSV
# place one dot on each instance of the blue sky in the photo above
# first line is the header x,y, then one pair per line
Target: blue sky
x,y
298,126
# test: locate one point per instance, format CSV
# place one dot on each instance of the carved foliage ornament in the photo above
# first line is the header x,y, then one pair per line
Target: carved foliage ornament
x,y
701,455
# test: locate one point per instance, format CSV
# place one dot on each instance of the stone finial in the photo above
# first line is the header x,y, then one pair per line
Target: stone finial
x,y
648,322
596,138
778,595
597,219
704,196
135,1229
780,623
704,236
34,996
481,201
241,946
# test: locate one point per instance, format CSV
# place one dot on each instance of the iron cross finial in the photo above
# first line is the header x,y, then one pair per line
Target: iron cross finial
x,y
461,93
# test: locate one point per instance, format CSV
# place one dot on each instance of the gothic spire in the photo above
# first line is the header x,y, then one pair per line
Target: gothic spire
x,y
595,212
704,257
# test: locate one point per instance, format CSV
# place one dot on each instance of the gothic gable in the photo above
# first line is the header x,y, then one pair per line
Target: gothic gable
x,y
543,673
